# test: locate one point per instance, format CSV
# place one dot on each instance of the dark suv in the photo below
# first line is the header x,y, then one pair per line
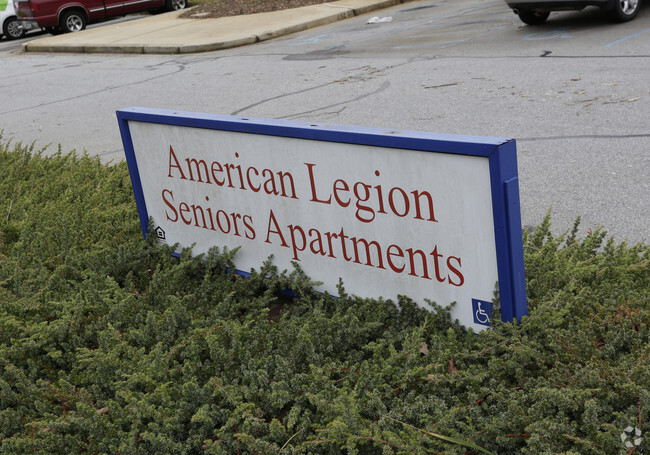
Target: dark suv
x,y
535,12
63,16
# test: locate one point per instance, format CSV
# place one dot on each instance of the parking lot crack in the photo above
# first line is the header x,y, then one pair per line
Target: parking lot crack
x,y
324,110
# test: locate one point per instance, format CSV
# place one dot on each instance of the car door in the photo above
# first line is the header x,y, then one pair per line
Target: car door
x,y
96,9
122,7
115,8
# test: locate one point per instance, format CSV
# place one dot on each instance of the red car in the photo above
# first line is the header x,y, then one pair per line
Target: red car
x,y
64,16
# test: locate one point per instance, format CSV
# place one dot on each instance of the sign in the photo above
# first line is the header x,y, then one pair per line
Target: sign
x,y
434,217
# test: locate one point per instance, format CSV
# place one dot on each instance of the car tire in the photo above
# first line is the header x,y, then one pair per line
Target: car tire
x,y
11,30
533,17
73,21
625,10
175,5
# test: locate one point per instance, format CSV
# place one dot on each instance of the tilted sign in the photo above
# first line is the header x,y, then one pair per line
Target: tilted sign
x,y
430,216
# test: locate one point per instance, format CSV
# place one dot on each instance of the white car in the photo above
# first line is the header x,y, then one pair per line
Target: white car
x,y
9,26
535,12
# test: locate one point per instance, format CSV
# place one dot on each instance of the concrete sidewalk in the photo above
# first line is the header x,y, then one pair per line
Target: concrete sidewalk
x,y
169,34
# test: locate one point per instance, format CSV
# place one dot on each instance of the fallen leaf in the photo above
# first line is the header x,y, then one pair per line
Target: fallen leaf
x,y
451,368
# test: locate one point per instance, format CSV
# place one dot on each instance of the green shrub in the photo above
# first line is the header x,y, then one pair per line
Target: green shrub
x,y
110,345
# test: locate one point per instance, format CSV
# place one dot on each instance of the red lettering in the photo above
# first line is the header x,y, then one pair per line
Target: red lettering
x,y
418,212
423,258
248,223
366,244
228,168
198,209
248,179
235,217
221,214
455,271
391,203
241,175
198,164
177,165
342,236
316,245
219,168
314,198
210,215
389,256
270,179
436,264
277,230
294,245
380,195
184,208
364,198
281,176
343,188
170,205
331,236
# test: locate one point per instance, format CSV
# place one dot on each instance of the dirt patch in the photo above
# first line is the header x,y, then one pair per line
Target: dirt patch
x,y
222,8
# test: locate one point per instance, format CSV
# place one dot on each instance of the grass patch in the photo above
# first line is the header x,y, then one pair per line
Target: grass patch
x,y
110,345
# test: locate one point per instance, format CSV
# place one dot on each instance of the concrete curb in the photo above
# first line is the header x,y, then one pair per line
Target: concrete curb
x,y
169,34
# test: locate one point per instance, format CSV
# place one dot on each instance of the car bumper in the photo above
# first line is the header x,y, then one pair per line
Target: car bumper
x,y
555,5
27,25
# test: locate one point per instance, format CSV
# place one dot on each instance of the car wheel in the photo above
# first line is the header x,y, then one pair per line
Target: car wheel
x,y
175,5
72,21
533,17
11,29
625,10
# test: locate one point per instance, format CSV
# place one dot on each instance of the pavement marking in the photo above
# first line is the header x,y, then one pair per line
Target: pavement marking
x,y
313,40
429,45
627,37
560,33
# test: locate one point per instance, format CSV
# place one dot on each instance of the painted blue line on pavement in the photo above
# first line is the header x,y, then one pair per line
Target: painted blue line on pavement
x,y
312,40
560,33
627,37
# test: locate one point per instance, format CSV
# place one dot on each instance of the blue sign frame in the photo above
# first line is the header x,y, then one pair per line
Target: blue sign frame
x,y
501,153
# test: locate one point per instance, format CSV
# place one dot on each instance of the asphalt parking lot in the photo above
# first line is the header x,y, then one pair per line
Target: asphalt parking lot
x,y
572,92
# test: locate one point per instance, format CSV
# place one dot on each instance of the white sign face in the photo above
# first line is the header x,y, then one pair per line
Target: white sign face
x,y
387,221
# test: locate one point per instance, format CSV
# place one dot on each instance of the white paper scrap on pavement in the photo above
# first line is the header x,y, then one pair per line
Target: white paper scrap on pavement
x,y
377,20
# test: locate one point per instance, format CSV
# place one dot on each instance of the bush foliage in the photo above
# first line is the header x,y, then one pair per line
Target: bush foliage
x,y
109,345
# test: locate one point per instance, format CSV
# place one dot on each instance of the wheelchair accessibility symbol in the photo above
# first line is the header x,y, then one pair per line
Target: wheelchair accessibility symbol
x,y
482,311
